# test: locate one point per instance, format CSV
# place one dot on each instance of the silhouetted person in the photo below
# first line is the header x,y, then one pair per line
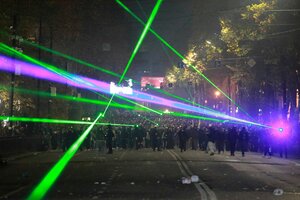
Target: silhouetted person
x,y
267,143
109,137
220,140
211,146
243,139
164,139
154,138
170,139
138,137
283,147
69,138
232,137
182,135
194,135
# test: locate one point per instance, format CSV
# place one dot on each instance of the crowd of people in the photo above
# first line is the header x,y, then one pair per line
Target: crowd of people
x,y
166,132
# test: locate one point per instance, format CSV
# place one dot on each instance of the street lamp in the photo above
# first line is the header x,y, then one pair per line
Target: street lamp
x,y
217,94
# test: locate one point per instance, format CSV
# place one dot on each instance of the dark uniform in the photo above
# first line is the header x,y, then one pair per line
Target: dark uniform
x,y
243,140
109,137
154,138
266,137
232,137
220,140
182,135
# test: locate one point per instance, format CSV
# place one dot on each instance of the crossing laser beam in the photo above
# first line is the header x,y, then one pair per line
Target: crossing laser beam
x,y
41,190
57,121
43,187
97,102
72,98
69,79
181,56
85,63
99,86
136,48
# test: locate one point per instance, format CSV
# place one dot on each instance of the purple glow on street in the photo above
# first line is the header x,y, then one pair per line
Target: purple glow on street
x,y
281,129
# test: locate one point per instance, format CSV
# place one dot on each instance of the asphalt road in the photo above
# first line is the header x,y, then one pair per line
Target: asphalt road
x,y
144,174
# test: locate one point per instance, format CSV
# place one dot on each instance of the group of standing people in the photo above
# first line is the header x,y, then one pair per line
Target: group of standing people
x,y
213,139
209,138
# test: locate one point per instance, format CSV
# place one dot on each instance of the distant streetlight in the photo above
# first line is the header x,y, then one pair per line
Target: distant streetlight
x,y
217,94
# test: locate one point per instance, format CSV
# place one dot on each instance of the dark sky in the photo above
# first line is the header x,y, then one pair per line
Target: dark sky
x,y
178,22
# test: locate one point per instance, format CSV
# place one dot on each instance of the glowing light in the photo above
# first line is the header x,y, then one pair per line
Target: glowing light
x,y
166,111
118,90
280,129
217,94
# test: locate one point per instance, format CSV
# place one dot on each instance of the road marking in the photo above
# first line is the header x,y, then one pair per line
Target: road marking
x,y
211,194
12,192
293,193
232,160
184,173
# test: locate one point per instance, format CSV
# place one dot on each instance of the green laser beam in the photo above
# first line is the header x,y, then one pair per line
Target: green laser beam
x,y
140,105
57,121
71,98
145,118
40,191
177,114
22,40
43,187
85,100
52,68
38,62
137,46
143,108
108,104
180,56
60,72
154,110
99,116
142,37
97,102
100,69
